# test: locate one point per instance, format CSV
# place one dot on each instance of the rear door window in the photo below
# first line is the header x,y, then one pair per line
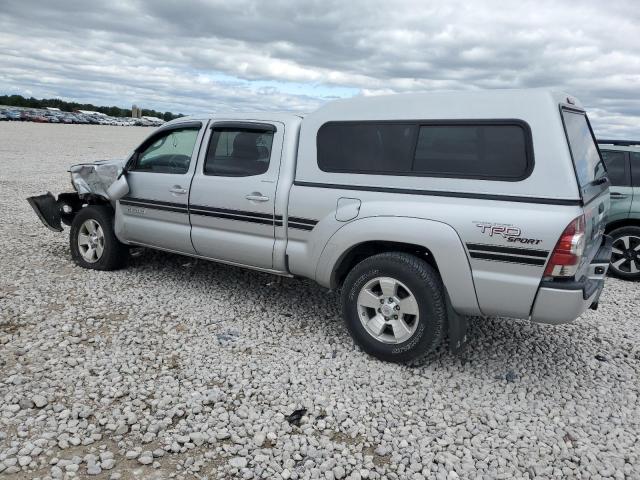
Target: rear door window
x,y
589,167
617,167
238,152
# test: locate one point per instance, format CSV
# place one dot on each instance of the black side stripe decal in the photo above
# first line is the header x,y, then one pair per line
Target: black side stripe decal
x,y
507,258
498,253
301,223
509,250
166,206
228,216
300,226
240,215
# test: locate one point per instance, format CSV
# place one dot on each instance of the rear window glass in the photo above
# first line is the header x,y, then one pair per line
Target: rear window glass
x,y
585,154
617,170
487,151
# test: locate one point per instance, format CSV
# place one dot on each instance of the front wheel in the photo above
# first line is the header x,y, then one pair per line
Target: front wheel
x,y
93,242
625,254
394,306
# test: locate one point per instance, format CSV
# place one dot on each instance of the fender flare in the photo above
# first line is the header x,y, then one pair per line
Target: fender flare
x,y
439,238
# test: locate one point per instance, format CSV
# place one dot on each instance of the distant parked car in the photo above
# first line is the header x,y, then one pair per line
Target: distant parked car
x,y
622,158
13,115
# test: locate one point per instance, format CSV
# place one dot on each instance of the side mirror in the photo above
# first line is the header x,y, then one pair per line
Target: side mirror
x,y
119,188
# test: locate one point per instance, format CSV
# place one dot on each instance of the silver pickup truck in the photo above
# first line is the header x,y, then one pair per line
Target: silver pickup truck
x,y
422,209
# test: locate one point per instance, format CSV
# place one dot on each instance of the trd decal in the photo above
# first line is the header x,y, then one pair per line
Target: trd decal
x,y
136,210
510,233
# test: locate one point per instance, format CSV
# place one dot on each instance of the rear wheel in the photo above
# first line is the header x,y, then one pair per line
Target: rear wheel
x,y
93,242
625,255
394,307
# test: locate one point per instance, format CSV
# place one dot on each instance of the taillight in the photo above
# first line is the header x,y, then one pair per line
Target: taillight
x,y
568,252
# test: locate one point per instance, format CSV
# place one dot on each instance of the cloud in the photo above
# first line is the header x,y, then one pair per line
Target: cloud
x,y
194,56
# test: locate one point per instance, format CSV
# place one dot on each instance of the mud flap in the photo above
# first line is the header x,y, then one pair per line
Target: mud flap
x,y
457,330
48,211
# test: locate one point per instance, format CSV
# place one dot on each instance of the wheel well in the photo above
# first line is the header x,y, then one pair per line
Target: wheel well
x,y
367,249
77,202
627,222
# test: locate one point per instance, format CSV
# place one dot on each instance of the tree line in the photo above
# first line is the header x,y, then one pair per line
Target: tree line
x,y
20,101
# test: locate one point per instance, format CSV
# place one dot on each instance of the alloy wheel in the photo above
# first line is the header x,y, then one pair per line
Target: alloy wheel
x,y
91,241
388,310
625,254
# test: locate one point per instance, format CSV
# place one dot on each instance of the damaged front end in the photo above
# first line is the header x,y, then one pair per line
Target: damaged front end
x,y
94,183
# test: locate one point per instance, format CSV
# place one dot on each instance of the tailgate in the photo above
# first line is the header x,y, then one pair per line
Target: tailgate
x,y
595,216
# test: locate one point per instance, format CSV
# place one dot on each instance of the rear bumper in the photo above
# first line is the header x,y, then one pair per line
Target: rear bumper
x,y
562,302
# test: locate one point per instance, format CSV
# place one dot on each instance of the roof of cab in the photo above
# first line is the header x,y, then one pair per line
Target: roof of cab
x,y
252,116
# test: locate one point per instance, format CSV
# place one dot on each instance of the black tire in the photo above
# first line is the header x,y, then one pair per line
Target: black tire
x,y
114,254
632,256
426,286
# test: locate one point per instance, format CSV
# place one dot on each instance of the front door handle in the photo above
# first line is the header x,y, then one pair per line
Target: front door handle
x,y
618,195
257,197
178,190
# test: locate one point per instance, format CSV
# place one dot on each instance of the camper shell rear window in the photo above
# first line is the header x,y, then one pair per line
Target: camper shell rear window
x,y
590,169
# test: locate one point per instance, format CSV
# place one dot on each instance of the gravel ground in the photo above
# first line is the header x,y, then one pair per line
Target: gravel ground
x,y
182,368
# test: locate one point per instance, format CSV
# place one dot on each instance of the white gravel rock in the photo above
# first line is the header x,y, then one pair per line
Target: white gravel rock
x,y
146,458
238,462
197,368
39,401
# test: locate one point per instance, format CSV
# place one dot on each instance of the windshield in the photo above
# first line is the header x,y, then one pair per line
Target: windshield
x,y
589,166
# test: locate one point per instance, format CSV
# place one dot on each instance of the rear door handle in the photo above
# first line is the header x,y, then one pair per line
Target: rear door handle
x,y
618,195
178,190
257,197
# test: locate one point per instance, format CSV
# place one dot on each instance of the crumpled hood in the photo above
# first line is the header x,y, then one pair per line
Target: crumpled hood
x,y
96,177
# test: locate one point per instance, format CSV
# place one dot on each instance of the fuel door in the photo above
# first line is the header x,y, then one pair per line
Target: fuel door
x,y
347,209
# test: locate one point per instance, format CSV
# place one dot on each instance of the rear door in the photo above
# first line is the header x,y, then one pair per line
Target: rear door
x,y
155,211
619,171
233,191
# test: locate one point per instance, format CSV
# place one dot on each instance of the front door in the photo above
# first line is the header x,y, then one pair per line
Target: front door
x,y
155,211
233,191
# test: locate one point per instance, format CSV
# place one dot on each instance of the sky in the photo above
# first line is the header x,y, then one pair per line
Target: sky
x,y
206,56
